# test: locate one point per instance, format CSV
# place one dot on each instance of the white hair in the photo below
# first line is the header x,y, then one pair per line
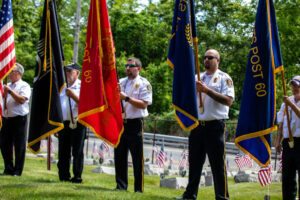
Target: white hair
x,y
19,68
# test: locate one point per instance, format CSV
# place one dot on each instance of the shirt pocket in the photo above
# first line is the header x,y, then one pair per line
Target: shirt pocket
x,y
135,94
216,87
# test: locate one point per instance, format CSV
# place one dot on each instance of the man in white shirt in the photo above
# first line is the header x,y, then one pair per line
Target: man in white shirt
x,y
290,156
71,138
13,133
136,93
209,136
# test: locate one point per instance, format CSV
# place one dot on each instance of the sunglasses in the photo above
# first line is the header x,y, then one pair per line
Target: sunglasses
x,y
209,57
130,65
68,69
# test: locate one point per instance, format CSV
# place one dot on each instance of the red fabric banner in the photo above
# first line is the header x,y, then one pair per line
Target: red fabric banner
x,y
99,103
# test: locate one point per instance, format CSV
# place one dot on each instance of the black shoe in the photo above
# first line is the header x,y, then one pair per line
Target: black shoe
x,y
65,179
76,180
119,189
185,197
17,175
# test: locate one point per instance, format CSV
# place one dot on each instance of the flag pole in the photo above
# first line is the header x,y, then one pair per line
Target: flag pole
x,y
154,134
5,100
198,68
275,160
71,112
195,41
291,139
49,153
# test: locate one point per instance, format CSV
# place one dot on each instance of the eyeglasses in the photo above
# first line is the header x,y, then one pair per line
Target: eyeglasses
x,y
130,65
209,57
14,71
68,70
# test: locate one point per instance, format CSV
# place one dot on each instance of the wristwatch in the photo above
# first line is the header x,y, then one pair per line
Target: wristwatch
x,y
127,98
9,91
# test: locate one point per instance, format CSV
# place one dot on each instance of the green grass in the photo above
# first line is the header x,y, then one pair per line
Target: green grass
x,y
37,182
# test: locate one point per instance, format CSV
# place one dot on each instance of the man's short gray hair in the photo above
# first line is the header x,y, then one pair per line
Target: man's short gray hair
x,y
19,68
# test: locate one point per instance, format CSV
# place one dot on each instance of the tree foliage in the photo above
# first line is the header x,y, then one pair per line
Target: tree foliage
x,y
143,31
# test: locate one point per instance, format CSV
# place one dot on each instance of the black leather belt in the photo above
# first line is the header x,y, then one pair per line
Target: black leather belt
x,y
132,120
211,122
16,117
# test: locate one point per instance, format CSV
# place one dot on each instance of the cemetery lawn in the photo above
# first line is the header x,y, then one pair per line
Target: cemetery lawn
x,y
37,183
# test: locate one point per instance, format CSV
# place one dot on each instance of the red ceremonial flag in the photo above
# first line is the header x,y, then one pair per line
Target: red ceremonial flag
x,y
7,44
99,103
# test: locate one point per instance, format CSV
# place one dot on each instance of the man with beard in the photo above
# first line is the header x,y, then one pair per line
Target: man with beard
x,y
209,136
136,93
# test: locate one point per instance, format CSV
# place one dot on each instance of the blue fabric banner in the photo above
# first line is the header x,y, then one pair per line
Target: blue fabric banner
x,y
181,60
257,117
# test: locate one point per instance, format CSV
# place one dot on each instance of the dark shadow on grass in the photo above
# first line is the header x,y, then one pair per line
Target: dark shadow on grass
x,y
83,187
45,181
21,186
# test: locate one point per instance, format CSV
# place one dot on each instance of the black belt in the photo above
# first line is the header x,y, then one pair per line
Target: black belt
x,y
132,120
16,117
211,122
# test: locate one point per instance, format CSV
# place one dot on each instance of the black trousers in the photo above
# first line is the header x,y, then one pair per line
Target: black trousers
x,y
208,138
71,140
13,139
290,164
131,140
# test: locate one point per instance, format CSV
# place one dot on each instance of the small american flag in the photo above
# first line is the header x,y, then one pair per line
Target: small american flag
x,y
247,160
280,163
101,152
184,159
161,156
106,146
264,175
94,148
43,144
7,44
171,160
154,148
239,161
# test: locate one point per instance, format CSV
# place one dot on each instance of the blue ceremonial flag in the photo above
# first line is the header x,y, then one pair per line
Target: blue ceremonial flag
x,y
257,117
181,60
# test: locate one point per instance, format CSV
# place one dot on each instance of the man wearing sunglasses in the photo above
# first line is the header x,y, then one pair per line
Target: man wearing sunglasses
x,y
136,93
209,136
290,156
13,132
71,138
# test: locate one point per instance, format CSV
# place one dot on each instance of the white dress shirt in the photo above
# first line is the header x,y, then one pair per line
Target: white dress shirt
x,y
13,108
222,83
142,90
64,100
294,119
